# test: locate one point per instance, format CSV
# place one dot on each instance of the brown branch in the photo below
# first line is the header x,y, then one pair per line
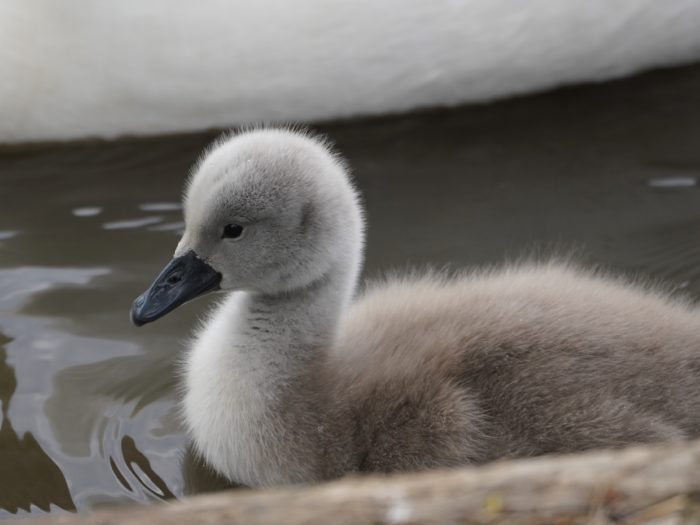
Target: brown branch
x,y
634,486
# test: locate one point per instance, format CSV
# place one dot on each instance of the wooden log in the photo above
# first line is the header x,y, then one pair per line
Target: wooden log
x,y
641,485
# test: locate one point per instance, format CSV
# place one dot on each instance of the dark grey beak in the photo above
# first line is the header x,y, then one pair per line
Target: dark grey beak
x,y
184,278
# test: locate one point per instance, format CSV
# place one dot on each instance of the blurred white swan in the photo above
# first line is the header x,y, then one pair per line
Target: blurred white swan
x,y
79,68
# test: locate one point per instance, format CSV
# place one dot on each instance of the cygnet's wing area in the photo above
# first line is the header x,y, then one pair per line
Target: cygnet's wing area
x,y
545,358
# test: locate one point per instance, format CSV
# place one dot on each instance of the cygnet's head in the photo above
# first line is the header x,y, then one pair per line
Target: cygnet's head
x,y
267,211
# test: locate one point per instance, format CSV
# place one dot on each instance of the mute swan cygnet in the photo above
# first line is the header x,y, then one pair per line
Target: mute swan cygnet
x,y
292,379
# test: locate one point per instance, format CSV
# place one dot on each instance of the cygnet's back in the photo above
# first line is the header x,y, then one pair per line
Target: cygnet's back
x,y
531,359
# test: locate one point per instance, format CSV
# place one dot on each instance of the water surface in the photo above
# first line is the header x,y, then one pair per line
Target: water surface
x,y
88,401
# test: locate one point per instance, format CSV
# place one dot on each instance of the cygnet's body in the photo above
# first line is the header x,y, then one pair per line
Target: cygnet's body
x,y
291,380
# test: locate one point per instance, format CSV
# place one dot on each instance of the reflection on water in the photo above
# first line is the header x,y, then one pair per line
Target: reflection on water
x,y
160,206
87,211
176,227
7,234
89,402
131,223
141,469
29,476
673,182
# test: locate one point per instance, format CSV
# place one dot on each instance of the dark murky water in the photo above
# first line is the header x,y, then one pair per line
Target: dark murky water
x,y
88,410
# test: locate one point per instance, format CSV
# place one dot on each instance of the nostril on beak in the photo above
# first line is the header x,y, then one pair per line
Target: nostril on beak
x,y
174,278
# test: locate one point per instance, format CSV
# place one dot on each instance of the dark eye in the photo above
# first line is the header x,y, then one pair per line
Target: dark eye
x,y
232,231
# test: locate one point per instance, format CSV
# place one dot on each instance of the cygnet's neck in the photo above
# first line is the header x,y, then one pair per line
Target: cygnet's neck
x,y
257,400
301,321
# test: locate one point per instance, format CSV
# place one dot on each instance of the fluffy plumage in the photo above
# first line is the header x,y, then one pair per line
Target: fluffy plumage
x,y
290,379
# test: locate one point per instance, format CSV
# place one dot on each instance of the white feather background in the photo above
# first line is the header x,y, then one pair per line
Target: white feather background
x,y
81,68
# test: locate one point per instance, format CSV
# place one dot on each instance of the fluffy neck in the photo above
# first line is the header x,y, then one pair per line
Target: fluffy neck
x,y
257,401
300,322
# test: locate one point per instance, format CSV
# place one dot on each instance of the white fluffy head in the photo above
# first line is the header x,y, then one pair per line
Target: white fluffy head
x,y
292,196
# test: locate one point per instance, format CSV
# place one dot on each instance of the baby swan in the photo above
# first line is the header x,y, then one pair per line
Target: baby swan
x,y
291,380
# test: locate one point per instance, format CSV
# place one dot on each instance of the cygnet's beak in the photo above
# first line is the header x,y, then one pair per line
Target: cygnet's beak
x,y
184,278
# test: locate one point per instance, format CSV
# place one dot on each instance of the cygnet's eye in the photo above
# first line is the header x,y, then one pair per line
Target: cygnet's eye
x,y
232,231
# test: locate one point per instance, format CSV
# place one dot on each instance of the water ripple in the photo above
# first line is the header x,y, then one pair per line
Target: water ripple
x,y
673,182
88,211
131,224
160,206
7,234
